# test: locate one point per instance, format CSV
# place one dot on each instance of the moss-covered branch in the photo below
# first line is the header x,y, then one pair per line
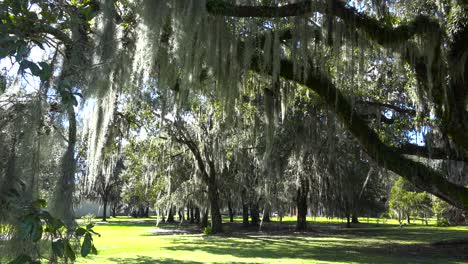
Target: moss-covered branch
x,y
449,102
384,34
417,173
430,153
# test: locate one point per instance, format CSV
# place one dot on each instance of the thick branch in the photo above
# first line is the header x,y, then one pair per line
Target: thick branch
x,y
192,146
420,175
430,153
217,7
454,116
382,33
390,106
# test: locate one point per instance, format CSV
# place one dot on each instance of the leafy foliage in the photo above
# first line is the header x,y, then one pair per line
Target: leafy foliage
x,y
39,223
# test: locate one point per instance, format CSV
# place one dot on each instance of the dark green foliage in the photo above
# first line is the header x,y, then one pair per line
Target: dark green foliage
x,y
33,225
208,231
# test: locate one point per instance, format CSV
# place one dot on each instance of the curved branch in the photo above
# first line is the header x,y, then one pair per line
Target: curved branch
x,y
383,34
389,106
455,121
417,173
430,153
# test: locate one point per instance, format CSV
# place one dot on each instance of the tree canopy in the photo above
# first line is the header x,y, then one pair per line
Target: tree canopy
x,y
245,104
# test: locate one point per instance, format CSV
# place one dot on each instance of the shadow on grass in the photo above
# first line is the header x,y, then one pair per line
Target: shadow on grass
x,y
342,250
148,260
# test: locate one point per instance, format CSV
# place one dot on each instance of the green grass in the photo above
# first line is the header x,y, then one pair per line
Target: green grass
x,y
126,240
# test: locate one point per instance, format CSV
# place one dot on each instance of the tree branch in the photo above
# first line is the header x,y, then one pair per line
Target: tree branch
x,y
430,153
389,106
417,173
381,33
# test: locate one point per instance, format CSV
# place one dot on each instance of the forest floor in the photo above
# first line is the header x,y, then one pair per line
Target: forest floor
x,y
127,240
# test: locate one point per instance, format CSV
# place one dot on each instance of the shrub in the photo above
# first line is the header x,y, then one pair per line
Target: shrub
x,y
207,231
443,222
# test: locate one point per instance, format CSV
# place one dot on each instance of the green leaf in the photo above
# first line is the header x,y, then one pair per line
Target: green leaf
x,y
69,251
26,226
37,230
58,247
96,233
94,250
46,216
80,231
22,50
46,71
89,226
88,12
40,203
21,259
74,101
56,224
86,246
26,64
39,44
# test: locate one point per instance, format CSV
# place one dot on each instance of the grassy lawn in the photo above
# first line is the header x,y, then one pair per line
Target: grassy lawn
x,y
126,240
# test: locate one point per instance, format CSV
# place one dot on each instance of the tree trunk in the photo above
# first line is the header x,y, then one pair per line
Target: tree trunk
x,y
170,217
188,212
192,216
104,210
408,220
62,203
114,209
355,219
245,209
231,213
197,215
348,220
204,219
301,200
266,214
245,215
254,214
213,196
163,214
181,216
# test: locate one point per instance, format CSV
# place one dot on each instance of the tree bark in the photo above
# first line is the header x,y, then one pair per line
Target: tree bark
x,y
104,210
62,204
301,200
170,217
254,214
192,216
245,214
197,215
213,196
266,214
181,216
355,219
245,209
231,212
348,221
204,219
